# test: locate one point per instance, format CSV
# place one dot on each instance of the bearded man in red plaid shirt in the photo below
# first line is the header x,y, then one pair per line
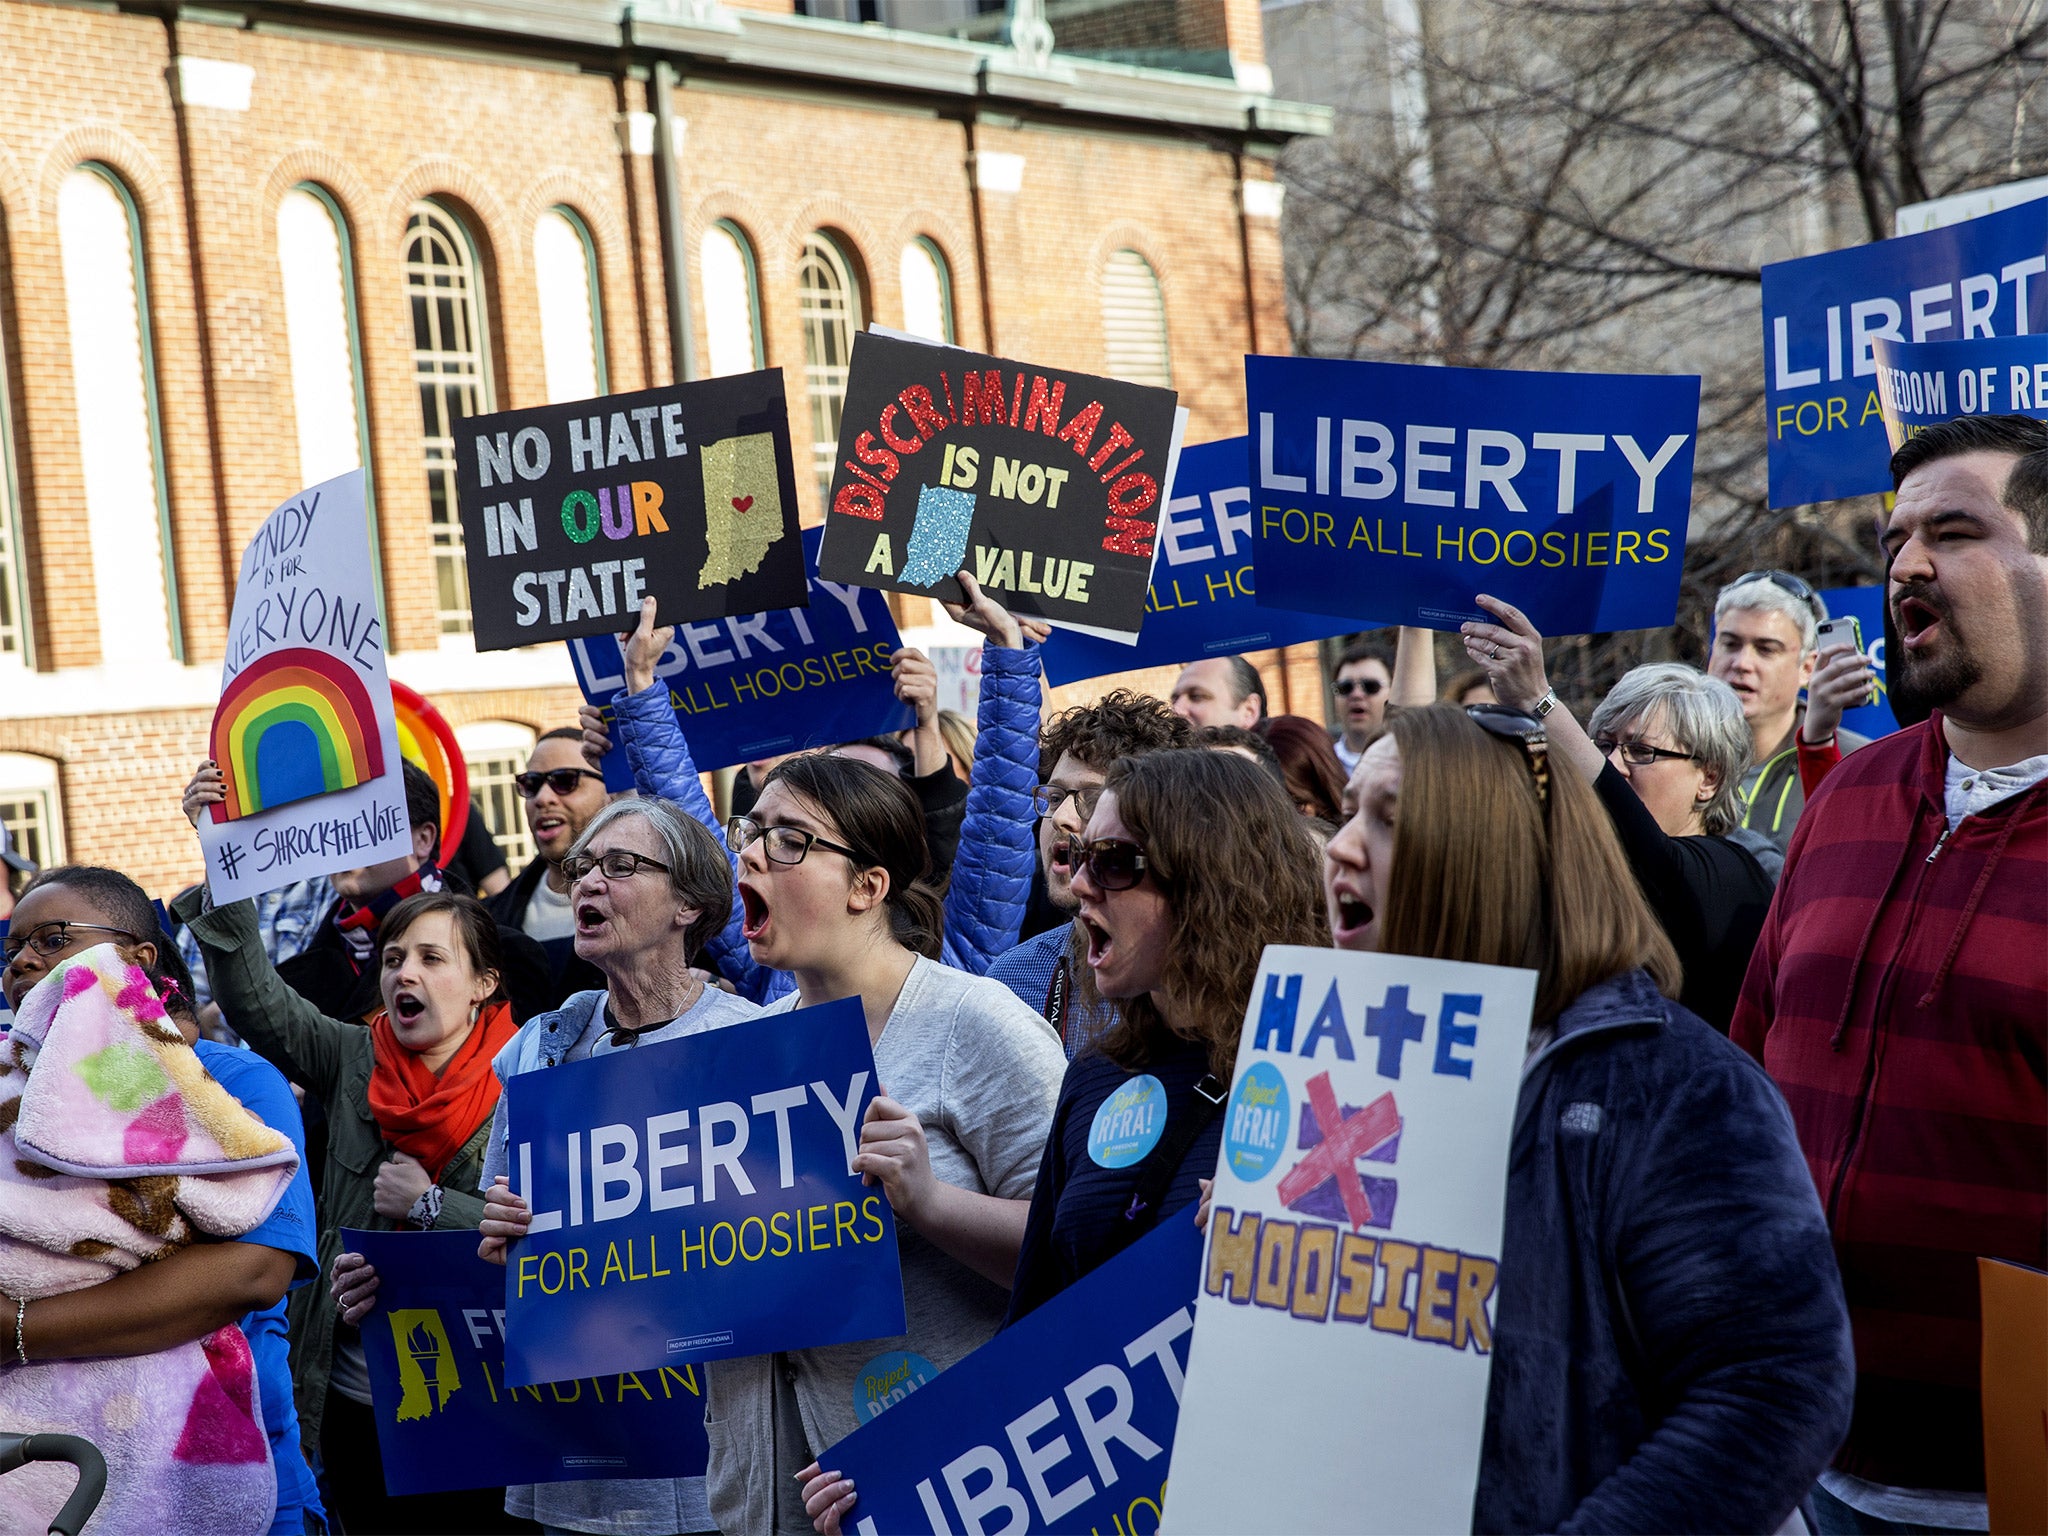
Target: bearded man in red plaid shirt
x,y
1899,993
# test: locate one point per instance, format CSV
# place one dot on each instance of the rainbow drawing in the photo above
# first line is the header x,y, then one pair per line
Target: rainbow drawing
x,y
296,723
426,740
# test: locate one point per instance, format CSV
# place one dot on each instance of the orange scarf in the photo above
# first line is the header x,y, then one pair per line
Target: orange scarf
x,y
431,1117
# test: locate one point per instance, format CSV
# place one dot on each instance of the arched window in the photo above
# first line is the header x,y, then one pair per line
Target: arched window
x,y
571,313
495,752
732,301
14,627
31,809
120,435
927,291
321,334
444,285
1134,323
828,296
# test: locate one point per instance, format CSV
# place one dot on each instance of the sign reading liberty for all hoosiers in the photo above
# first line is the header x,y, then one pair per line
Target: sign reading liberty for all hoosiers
x,y
572,513
1044,485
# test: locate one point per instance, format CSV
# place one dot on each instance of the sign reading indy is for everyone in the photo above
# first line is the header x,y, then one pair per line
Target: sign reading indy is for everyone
x,y
572,513
1045,485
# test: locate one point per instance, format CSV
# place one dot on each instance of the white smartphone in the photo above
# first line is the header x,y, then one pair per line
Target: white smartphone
x,y
1846,630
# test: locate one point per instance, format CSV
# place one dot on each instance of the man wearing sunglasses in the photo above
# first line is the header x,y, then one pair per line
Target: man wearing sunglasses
x,y
561,792
1764,648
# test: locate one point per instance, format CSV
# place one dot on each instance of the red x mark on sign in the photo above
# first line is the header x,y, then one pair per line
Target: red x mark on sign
x,y
1344,1143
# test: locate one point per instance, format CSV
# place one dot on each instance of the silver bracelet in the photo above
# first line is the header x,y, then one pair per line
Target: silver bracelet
x,y
20,1320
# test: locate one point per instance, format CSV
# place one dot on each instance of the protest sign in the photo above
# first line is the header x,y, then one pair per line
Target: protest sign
x,y
427,741
1393,494
1059,1423
1045,484
756,685
572,513
695,1199
1203,595
446,1417
1824,423
1940,380
304,733
1353,1248
1866,606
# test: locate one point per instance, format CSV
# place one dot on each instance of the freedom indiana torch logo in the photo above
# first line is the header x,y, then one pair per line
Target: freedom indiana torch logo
x,y
427,1376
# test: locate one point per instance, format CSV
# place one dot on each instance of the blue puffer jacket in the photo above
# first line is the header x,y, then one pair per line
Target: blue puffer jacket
x,y
1671,1347
984,905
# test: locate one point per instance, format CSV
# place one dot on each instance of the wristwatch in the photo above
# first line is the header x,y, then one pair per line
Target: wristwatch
x,y
1546,704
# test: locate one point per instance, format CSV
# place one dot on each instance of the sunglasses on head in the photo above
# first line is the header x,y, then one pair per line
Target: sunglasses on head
x,y
1523,729
1344,687
562,781
1113,863
1785,581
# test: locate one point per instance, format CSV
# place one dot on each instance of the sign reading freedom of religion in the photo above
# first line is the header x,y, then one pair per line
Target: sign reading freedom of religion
x,y
1940,380
1353,1248
1822,315
1061,1422
783,681
1394,494
1203,600
694,1199
1045,485
435,1345
572,513
304,733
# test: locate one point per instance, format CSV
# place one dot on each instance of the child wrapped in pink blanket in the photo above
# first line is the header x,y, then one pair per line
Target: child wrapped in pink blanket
x,y
116,1149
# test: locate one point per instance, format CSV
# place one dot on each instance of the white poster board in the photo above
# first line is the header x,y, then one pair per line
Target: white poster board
x,y
1343,1330
304,731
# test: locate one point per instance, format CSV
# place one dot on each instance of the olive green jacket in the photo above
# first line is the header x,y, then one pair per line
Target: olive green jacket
x,y
331,1061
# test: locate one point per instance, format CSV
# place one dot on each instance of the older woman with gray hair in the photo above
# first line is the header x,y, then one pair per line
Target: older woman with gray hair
x,y
1666,754
648,885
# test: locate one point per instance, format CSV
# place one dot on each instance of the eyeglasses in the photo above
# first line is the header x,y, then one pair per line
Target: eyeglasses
x,y
783,845
50,939
561,780
1639,754
1526,731
1113,863
1344,687
617,865
1785,581
1048,798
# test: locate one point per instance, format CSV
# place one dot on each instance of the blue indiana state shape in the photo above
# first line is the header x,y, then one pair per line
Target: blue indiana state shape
x,y
938,539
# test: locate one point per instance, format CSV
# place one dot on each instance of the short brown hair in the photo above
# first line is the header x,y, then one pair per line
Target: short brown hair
x,y
475,929
1485,871
1119,724
2025,492
1239,870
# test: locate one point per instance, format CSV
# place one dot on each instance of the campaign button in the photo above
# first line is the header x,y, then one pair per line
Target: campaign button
x,y
1129,1123
1256,1127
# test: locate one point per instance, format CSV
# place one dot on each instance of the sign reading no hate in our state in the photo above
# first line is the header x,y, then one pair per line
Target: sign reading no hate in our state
x,y
1045,485
573,513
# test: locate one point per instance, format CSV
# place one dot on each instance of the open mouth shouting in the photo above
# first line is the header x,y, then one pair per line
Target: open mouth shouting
x,y
1919,619
407,1006
546,826
1351,914
591,919
753,912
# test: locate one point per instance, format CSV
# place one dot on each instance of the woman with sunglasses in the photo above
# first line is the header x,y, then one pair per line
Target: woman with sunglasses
x,y
1671,1349
1665,754
833,873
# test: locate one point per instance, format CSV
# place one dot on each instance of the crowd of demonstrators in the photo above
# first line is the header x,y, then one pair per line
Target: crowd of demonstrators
x,y
560,794
286,920
1665,754
1309,767
1250,745
200,1288
1899,992
1220,690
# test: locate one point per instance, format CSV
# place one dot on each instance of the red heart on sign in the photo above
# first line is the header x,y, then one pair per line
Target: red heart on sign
x,y
742,503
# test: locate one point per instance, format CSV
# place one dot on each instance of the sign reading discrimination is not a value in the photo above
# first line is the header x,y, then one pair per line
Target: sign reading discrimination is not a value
x,y
695,1200
1396,493
304,732
1353,1248
1044,484
572,513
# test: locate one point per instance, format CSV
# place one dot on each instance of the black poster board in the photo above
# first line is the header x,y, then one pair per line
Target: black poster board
x,y
1044,484
571,513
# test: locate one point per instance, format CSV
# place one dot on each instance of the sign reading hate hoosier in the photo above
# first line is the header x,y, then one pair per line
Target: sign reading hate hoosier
x,y
572,513
694,1200
1353,1248
1043,484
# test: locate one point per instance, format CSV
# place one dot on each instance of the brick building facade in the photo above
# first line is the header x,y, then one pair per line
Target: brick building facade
x,y
151,421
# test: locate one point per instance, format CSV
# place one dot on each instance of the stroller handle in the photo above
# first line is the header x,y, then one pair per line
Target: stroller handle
x,y
18,1450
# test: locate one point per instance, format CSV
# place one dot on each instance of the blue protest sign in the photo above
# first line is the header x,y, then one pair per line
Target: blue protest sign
x,y
694,1200
1939,380
1393,494
1202,599
1060,1423
781,681
1866,606
1823,421
446,1418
